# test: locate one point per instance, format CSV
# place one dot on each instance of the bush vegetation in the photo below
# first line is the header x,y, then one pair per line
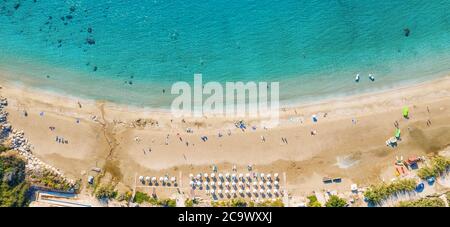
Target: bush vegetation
x,y
3,148
335,201
271,203
105,192
124,196
51,180
437,166
190,202
376,194
312,201
424,202
13,186
141,197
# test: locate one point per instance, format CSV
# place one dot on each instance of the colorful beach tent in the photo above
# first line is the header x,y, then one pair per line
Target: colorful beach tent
x,y
405,112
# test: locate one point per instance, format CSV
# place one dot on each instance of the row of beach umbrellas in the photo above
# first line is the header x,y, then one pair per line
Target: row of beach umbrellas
x,y
162,180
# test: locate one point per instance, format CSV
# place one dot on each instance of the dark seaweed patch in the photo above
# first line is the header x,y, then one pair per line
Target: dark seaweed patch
x,y
90,41
406,31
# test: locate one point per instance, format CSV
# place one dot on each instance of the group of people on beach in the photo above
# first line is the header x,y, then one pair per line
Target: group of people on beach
x,y
61,140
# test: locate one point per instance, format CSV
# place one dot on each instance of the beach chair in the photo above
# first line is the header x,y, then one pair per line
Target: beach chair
x,y
327,180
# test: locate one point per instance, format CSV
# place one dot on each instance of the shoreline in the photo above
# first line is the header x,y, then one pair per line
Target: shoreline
x,y
109,141
120,107
291,103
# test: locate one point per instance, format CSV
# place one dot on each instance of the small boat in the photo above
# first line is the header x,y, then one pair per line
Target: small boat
x,y
371,77
357,78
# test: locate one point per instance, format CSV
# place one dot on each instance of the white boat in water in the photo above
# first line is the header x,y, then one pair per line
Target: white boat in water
x,y
371,77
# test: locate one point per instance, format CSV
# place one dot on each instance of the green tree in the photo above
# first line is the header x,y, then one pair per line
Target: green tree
x,y
312,201
424,202
141,197
14,189
105,192
190,202
437,165
377,193
335,201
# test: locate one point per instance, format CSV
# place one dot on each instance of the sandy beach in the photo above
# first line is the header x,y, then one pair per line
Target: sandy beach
x,y
125,141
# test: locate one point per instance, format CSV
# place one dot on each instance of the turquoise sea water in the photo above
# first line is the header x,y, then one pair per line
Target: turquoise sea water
x,y
93,49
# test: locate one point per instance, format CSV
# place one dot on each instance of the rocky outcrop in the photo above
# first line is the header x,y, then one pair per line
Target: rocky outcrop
x,y
19,143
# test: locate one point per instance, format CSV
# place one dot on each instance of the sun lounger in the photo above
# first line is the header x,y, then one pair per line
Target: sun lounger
x,y
327,180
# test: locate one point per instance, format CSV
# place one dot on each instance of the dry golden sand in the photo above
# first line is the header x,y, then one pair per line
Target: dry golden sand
x,y
109,141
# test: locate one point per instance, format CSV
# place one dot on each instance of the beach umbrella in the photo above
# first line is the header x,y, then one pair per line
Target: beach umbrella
x,y
255,184
199,183
268,191
161,179
354,187
233,191
268,183
241,191
233,176
205,183
261,183
212,191
227,175
227,192
255,191
205,175
191,176
219,183
269,176
405,112
199,176
227,183
219,192
241,176
261,191
212,183
262,175
397,133
207,192
166,179
191,183
240,183
213,175
173,179
220,176
141,178
147,179
275,176
247,175
233,183
153,179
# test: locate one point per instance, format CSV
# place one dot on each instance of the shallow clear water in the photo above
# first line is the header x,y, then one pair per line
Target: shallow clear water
x,y
314,48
